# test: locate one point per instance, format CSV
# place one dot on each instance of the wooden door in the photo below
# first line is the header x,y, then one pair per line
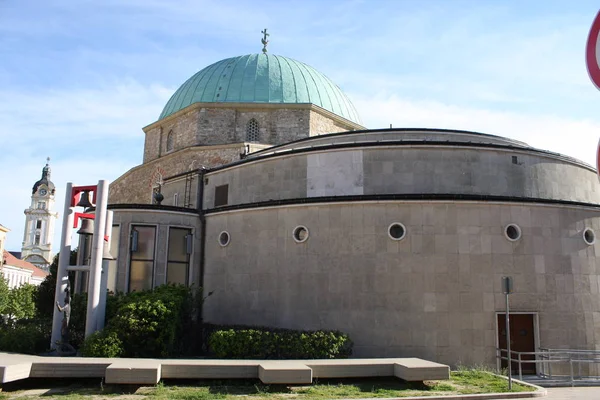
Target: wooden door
x,y
521,339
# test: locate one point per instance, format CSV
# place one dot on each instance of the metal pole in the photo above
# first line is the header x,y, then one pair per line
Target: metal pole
x,y
62,277
508,345
104,279
91,320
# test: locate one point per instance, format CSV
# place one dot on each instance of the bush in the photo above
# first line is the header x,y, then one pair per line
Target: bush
x,y
26,337
102,344
150,323
265,343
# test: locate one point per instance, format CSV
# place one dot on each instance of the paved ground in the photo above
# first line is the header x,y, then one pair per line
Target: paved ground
x,y
592,393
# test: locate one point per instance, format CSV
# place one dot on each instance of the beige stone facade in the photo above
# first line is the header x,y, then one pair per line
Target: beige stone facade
x,y
434,294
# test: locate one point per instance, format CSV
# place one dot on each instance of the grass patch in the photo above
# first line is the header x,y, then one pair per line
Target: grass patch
x,y
472,381
464,381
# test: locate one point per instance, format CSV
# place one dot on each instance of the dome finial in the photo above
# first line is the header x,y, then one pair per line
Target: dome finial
x,y
47,160
264,40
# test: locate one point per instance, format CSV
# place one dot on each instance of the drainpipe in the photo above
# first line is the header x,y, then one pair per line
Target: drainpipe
x,y
200,208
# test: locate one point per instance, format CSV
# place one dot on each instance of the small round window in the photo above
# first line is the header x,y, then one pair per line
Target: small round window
x,y
589,236
512,232
396,231
224,238
300,234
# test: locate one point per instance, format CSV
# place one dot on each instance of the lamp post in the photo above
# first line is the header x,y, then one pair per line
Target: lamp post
x,y
507,288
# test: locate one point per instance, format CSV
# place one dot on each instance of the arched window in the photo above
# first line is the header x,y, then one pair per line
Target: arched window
x,y
252,131
170,141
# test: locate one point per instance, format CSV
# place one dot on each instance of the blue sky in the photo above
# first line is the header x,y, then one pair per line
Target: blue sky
x,y
79,79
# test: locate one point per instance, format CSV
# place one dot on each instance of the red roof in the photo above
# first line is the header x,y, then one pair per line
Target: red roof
x,y
11,260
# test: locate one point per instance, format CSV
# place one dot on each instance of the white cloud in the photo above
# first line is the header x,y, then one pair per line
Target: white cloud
x,y
572,137
90,134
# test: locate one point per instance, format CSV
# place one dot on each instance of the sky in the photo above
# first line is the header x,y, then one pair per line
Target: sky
x,y
80,78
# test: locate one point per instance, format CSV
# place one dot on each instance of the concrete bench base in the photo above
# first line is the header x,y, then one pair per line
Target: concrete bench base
x,y
284,372
145,371
16,371
130,371
415,369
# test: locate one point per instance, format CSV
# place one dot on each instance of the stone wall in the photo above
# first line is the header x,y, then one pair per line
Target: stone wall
x,y
320,124
434,294
135,186
419,169
204,126
184,129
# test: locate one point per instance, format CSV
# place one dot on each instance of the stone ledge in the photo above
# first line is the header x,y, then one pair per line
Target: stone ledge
x,y
416,369
284,372
134,371
14,371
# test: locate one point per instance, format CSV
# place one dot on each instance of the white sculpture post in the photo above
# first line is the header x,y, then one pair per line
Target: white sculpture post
x,y
62,278
104,280
95,275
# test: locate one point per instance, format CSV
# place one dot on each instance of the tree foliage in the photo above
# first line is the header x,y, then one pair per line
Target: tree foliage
x,y
4,293
21,304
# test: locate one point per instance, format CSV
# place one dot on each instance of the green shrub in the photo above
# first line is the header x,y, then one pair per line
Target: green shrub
x,y
150,323
103,343
265,343
26,337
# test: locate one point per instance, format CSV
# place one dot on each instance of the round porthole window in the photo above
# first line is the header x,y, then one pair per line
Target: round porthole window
x,y
224,238
589,236
396,231
512,232
300,234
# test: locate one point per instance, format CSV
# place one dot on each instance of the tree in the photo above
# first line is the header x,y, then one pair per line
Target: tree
x,y
21,303
4,292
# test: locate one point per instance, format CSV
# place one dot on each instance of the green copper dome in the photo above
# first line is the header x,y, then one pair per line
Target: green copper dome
x,y
261,78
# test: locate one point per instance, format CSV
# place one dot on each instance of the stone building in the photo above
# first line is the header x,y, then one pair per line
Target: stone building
x,y
275,198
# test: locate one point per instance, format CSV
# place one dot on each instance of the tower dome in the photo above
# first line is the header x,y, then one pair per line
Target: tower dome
x,y
261,78
45,179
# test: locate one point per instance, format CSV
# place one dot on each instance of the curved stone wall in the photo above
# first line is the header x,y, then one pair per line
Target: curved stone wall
x,y
434,294
387,135
403,169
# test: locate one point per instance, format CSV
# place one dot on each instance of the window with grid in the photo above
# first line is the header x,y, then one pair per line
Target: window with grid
x,y
141,263
178,255
37,239
252,131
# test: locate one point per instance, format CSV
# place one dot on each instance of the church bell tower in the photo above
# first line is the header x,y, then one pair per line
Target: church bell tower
x,y
39,222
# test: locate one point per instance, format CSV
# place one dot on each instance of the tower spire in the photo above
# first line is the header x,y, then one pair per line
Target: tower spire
x,y
264,40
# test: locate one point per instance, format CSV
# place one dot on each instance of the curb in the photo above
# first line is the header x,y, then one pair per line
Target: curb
x,y
539,392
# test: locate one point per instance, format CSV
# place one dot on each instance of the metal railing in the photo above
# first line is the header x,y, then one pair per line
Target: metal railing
x,y
544,359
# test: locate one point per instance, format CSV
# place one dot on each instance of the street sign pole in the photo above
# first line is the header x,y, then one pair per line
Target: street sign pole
x,y
507,288
592,62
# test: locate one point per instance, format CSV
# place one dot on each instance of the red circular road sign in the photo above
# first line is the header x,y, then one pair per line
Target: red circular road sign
x,y
592,52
